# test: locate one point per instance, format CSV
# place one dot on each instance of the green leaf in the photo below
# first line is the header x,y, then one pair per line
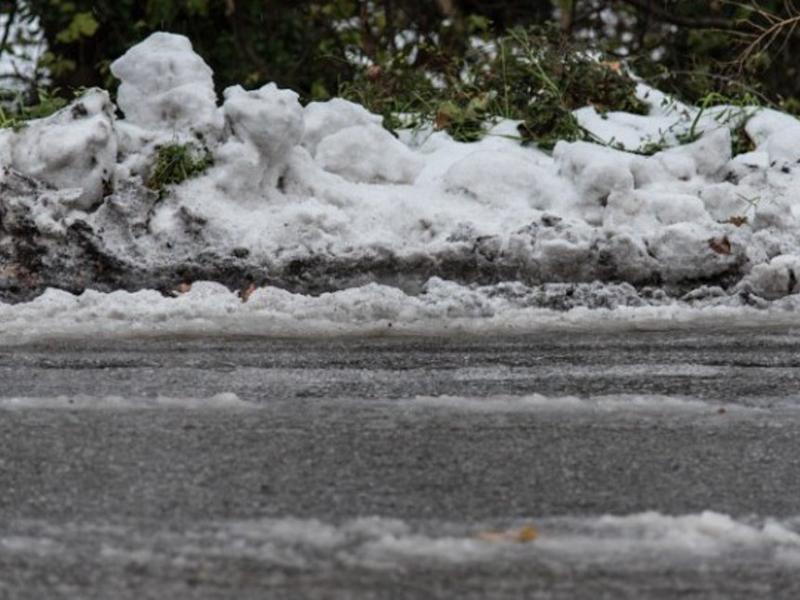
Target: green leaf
x,y
83,24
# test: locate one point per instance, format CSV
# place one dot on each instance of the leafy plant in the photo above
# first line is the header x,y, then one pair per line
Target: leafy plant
x,y
176,163
535,76
16,113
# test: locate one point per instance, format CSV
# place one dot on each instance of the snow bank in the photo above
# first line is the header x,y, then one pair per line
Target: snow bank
x,y
320,198
443,308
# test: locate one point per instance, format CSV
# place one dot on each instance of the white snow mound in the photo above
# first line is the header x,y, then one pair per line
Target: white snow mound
x,y
294,188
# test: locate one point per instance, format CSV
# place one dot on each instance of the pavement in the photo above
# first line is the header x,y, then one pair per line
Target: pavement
x,y
373,468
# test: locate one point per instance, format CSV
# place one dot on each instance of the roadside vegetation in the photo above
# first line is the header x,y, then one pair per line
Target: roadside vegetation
x,y
455,65
176,163
536,76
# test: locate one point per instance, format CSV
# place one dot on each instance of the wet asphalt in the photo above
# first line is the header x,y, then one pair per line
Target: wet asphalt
x,y
326,431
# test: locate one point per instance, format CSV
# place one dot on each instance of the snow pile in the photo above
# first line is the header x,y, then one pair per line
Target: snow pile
x,y
165,85
320,198
443,308
74,151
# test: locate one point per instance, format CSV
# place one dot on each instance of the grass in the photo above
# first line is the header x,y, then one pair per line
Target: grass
x,y
176,163
737,112
16,113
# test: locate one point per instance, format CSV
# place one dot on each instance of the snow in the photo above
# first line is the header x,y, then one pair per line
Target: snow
x,y
165,85
633,543
225,401
271,121
74,148
443,308
368,154
323,119
626,403
322,199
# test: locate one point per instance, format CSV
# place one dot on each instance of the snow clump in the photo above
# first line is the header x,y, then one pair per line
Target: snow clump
x,y
165,85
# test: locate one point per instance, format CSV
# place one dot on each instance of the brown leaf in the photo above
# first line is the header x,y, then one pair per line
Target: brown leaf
x,y
738,221
720,245
442,120
247,292
523,535
184,287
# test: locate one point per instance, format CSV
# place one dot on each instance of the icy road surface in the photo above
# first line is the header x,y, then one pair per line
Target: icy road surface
x,y
402,468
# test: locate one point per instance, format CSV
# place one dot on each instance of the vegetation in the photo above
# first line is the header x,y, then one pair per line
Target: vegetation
x,y
537,76
16,111
451,63
176,163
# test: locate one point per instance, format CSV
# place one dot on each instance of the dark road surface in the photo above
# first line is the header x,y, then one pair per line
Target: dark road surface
x,y
385,468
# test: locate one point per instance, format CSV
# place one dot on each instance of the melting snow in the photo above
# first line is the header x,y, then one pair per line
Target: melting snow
x,y
320,198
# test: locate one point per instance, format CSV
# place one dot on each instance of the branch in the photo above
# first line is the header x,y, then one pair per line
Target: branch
x,y
12,14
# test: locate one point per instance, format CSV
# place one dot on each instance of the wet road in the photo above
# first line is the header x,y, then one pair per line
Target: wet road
x,y
371,468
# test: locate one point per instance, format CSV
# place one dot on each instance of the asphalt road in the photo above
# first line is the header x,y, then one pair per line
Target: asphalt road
x,y
266,496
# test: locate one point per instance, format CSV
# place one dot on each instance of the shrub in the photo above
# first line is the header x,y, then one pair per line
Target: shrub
x,y
535,76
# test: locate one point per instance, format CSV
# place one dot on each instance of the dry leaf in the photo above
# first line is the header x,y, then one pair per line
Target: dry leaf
x,y
442,120
737,221
184,288
720,245
247,292
523,536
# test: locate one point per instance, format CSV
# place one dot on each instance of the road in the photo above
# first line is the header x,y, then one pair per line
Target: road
x,y
397,467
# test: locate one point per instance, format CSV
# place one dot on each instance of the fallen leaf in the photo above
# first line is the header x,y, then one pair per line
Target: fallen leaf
x,y
183,288
442,120
720,245
737,221
523,536
247,292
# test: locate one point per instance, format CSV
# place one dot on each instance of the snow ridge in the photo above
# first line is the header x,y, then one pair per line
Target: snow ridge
x,y
319,198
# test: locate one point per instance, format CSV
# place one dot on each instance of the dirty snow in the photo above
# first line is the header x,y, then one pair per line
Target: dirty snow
x,y
444,308
636,542
321,199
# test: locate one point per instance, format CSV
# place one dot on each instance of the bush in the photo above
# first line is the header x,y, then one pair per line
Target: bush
x,y
535,76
